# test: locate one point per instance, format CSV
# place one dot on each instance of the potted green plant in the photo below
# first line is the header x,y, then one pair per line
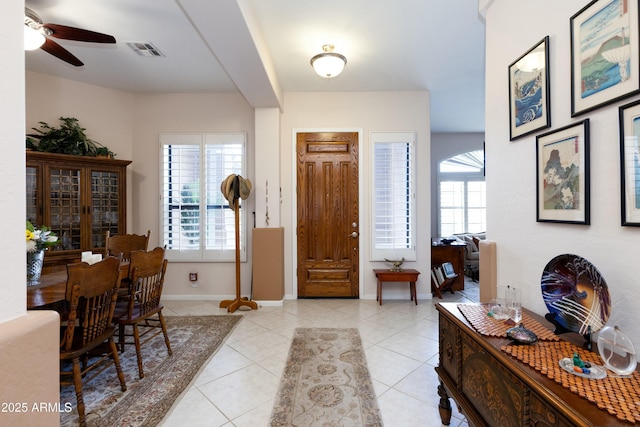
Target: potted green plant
x,y
103,151
68,138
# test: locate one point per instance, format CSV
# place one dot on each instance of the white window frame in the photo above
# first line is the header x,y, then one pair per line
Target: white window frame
x,y
394,250
201,253
465,179
464,168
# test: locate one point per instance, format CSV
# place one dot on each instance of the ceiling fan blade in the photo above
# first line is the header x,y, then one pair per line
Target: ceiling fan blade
x,y
58,51
78,34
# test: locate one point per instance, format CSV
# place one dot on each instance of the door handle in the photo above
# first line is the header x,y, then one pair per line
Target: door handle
x,y
354,234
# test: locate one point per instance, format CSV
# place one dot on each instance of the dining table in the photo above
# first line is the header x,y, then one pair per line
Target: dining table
x,y
50,293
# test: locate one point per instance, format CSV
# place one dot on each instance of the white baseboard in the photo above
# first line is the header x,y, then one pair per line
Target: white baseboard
x,y
270,303
276,303
197,297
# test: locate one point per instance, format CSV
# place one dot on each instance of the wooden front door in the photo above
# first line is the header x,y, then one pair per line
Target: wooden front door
x,y
327,218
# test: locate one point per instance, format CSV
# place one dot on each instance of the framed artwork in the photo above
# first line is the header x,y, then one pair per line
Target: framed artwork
x,y
447,267
605,65
562,173
630,163
529,92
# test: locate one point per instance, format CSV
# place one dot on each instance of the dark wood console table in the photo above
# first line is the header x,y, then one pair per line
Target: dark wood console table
x,y
494,389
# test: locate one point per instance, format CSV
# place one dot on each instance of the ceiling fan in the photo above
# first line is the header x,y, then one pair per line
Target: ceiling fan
x,y
33,23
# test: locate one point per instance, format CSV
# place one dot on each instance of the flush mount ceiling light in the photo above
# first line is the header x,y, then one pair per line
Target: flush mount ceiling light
x,y
328,64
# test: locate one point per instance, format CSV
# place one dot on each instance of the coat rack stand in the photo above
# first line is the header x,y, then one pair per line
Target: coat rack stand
x,y
233,305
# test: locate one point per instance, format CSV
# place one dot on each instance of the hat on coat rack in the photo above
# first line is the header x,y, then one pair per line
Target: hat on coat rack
x,y
234,187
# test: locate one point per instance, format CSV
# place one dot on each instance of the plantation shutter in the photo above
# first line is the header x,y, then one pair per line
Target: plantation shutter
x,y
181,192
197,221
393,234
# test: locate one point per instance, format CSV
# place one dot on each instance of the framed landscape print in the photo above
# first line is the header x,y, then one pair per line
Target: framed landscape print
x,y
605,64
562,173
630,163
529,91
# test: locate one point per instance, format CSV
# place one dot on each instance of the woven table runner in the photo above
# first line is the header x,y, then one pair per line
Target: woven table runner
x,y
619,396
476,314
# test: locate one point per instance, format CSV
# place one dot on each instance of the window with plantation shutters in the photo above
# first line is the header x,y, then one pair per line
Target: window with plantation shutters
x,y
393,198
197,222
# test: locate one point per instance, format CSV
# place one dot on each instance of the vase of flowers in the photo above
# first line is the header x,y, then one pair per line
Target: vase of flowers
x,y
38,240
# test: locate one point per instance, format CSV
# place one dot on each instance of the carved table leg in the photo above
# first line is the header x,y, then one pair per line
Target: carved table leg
x,y
444,406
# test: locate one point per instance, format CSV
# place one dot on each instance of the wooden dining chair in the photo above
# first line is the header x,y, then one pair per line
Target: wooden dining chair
x,y
121,245
143,306
87,334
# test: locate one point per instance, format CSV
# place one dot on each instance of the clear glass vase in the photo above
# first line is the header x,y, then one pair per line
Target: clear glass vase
x,y
34,267
617,350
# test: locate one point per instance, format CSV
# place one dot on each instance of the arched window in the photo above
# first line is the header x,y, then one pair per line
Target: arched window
x,y
462,194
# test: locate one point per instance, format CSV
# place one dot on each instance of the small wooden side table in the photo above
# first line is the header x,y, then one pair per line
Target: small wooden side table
x,y
387,275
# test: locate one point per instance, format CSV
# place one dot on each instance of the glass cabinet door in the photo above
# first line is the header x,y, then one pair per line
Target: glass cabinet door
x,y
79,198
65,208
105,207
32,196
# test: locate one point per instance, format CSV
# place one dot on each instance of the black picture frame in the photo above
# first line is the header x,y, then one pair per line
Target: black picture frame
x,y
529,91
629,118
562,175
605,57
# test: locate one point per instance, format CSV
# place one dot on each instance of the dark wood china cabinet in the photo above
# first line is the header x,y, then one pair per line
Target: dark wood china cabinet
x,y
79,198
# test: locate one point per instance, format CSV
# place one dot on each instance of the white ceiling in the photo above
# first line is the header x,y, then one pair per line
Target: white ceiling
x,y
262,48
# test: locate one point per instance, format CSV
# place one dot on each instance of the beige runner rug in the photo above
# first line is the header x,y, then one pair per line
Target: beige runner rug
x,y
194,339
326,382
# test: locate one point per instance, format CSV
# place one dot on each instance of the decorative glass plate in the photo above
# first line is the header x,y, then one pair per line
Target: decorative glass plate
x,y
595,372
576,294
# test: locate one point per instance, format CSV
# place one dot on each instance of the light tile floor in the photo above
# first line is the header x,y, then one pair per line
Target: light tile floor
x,y
239,384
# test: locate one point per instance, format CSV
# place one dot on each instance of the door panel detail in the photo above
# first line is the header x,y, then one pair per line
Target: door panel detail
x,y
327,217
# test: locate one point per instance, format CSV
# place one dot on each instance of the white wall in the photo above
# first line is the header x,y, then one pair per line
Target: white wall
x,y
524,246
368,111
12,163
28,340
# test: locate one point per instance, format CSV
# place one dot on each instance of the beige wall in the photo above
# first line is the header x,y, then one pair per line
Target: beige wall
x,y
525,246
106,114
29,356
186,113
365,111
146,116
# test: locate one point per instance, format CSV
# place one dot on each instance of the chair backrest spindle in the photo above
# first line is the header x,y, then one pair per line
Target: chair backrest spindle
x,y
121,245
92,293
146,272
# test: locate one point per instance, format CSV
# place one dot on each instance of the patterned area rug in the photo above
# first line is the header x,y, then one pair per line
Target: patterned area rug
x,y
194,339
326,382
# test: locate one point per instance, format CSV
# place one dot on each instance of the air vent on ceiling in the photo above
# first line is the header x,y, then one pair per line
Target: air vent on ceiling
x,y
145,49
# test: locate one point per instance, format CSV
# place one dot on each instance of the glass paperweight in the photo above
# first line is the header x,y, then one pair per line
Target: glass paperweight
x,y
498,309
616,350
